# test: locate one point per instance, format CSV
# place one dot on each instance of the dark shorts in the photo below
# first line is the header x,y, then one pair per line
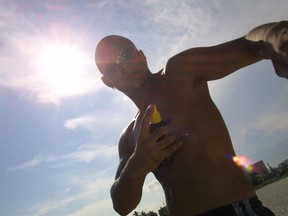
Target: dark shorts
x,y
249,207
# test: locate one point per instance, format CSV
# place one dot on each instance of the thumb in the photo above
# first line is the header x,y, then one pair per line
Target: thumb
x,y
147,118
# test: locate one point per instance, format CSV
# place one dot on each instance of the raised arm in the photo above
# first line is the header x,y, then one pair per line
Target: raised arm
x,y
126,190
136,163
269,41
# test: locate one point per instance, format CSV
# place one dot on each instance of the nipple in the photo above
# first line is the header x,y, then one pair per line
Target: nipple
x,y
185,135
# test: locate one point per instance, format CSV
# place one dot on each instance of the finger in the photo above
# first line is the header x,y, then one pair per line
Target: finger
x,y
147,118
166,141
160,133
171,149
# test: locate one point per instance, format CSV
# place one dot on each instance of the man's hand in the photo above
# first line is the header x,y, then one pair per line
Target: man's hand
x,y
150,151
278,37
275,39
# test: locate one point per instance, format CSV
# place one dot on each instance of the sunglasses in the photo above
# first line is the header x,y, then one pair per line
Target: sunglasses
x,y
126,54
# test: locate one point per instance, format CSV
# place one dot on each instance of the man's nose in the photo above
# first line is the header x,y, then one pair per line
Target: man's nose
x,y
125,66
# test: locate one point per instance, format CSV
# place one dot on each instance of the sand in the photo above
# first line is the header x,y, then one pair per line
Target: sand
x,y
275,197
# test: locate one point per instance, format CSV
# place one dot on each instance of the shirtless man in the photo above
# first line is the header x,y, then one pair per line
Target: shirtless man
x,y
203,178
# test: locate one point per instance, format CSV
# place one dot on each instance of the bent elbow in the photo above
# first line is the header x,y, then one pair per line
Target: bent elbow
x,y
121,210
123,204
120,205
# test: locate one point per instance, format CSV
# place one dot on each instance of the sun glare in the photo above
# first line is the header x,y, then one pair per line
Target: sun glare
x,y
242,161
61,69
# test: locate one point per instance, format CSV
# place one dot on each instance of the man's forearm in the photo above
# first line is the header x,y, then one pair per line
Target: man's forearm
x,y
126,191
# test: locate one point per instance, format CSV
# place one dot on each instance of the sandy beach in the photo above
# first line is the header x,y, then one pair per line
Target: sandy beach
x,y
275,197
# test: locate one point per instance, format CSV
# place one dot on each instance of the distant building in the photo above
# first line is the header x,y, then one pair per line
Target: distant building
x,y
256,173
259,168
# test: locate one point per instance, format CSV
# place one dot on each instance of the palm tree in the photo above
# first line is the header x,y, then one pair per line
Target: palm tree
x,y
136,213
151,213
163,211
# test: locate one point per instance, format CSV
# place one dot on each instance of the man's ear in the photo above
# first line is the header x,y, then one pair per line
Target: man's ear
x,y
107,82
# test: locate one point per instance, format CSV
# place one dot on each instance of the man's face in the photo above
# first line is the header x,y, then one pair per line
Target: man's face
x,y
122,65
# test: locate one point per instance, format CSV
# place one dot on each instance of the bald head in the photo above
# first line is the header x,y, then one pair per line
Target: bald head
x,y
108,49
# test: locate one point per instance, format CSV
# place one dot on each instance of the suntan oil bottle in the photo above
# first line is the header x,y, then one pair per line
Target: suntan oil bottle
x,y
156,121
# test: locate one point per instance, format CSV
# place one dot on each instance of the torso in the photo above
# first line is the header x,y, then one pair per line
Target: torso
x,y
203,175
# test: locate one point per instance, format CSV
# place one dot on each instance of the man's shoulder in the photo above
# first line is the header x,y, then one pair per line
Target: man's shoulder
x,y
183,69
187,60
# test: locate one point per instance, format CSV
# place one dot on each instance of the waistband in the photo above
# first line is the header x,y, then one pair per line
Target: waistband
x,y
248,207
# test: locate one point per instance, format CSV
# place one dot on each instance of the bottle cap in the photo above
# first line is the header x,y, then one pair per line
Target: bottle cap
x,y
156,117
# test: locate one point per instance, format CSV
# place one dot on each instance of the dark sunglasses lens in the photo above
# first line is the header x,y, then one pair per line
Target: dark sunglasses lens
x,y
128,53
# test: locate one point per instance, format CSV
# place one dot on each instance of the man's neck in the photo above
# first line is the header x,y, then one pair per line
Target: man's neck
x,y
145,94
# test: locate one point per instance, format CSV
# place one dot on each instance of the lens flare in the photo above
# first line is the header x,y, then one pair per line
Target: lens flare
x,y
248,168
242,162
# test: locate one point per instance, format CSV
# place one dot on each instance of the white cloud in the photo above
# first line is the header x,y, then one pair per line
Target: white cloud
x,y
37,160
90,184
97,208
273,122
88,122
176,27
85,153
50,205
92,190
104,122
151,186
276,116
89,152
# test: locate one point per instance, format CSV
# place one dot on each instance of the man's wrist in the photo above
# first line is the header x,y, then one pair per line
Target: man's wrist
x,y
135,168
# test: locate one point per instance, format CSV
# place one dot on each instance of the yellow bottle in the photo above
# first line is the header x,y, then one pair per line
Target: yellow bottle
x,y
156,121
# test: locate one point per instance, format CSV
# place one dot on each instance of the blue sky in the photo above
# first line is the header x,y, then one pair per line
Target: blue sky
x,y
60,125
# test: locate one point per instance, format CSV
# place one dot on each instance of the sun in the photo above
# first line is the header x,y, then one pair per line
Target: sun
x,y
61,68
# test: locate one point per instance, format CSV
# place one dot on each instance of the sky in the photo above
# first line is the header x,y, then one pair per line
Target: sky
x,y
60,125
